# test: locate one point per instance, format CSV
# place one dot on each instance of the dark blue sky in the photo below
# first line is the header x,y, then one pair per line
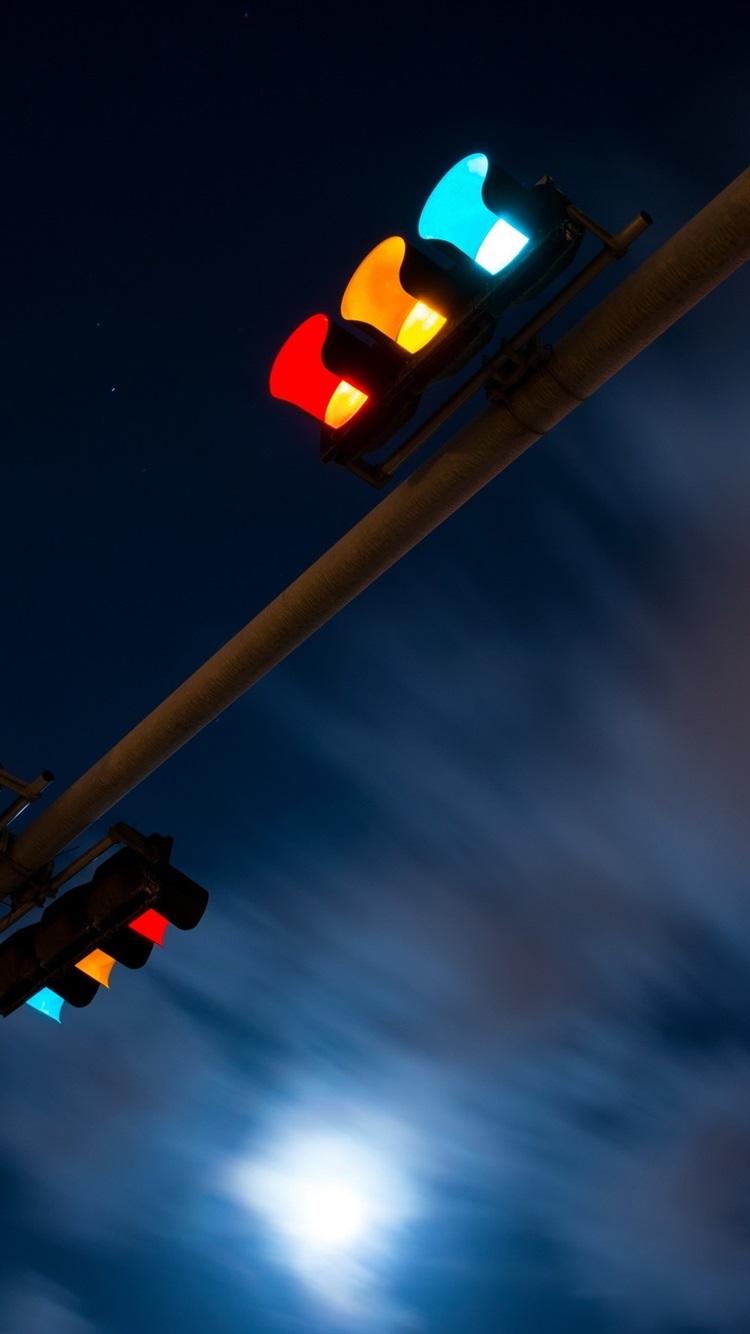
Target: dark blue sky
x,y
477,852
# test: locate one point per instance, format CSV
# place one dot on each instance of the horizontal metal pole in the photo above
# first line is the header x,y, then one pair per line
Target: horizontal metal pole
x,y
688,266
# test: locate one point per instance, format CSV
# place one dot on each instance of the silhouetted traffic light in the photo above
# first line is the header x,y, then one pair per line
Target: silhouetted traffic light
x,y
116,918
418,317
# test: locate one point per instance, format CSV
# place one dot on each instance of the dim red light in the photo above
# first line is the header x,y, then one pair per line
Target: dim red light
x,y
152,925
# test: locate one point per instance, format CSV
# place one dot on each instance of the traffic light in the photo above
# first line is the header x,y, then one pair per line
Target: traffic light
x,y
330,373
414,316
406,295
116,918
522,236
459,211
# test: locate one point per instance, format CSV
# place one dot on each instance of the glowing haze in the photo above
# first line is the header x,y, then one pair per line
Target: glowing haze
x,y
333,1203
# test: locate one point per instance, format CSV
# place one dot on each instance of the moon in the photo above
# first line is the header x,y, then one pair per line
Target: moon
x,y
333,1205
329,1214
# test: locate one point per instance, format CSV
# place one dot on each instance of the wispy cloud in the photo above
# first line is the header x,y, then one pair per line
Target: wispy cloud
x,y
33,1305
510,918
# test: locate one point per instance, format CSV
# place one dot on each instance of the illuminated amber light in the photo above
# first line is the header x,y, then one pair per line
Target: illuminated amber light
x,y
98,965
419,327
343,403
375,296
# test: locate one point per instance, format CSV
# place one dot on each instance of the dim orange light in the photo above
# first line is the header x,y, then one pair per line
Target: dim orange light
x,y
98,965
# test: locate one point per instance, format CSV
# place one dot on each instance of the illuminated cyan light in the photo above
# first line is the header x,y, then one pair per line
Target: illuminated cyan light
x,y
500,246
98,965
47,1002
152,925
456,212
374,295
299,376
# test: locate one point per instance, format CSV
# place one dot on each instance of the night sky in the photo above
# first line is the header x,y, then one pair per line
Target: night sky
x,y
478,851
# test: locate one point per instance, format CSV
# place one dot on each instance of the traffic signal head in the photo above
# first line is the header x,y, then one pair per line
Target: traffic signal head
x,y
329,372
459,211
116,918
377,295
424,316
26,963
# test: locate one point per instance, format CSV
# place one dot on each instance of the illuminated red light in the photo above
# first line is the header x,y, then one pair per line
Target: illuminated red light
x,y
299,376
152,925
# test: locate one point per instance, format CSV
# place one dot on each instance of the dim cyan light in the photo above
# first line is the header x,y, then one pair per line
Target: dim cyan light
x,y
300,376
375,295
47,1002
456,212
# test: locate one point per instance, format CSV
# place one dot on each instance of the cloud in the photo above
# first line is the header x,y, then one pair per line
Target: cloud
x,y
489,911
34,1305
103,1153
652,1201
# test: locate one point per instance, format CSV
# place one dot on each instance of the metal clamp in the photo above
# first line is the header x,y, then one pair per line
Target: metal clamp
x,y
510,365
614,246
37,889
26,793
